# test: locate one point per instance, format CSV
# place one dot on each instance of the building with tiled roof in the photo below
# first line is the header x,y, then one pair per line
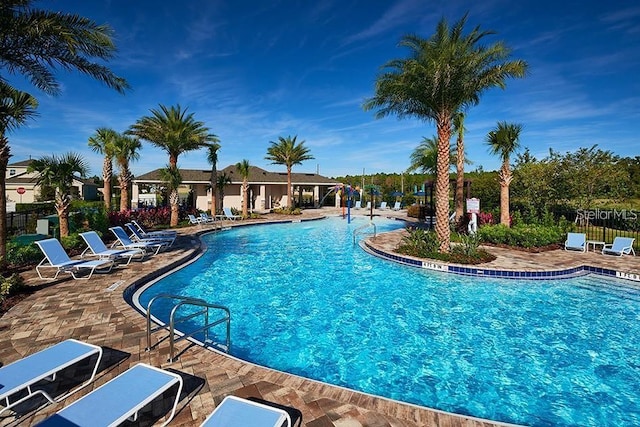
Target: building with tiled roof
x,y
267,190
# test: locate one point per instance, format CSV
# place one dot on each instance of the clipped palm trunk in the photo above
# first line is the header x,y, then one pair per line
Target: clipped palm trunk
x,y
4,161
289,195
460,181
107,173
63,202
245,199
173,201
125,181
214,190
443,231
505,181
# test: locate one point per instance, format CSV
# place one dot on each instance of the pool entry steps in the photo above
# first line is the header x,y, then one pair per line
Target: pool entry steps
x,y
195,307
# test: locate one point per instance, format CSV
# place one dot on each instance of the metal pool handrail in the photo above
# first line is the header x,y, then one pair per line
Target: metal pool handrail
x,y
362,227
182,301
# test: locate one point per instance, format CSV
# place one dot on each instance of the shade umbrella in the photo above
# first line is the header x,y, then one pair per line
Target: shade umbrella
x,y
397,194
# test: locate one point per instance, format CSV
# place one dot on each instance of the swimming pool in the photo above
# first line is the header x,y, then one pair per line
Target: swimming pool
x,y
539,352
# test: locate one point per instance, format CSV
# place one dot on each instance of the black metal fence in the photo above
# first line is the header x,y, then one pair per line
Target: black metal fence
x,y
21,222
604,225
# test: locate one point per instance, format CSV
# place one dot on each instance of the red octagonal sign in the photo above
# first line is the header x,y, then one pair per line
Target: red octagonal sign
x,y
21,190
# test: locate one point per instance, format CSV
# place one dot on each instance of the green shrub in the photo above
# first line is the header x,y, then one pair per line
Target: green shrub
x,y
418,243
72,241
285,211
11,285
524,235
20,255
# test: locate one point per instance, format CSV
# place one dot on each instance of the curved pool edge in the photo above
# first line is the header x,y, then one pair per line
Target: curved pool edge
x,y
131,297
374,249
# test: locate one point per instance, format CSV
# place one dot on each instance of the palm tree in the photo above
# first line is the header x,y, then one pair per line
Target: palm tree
x,y
244,168
221,182
504,141
286,152
102,143
442,75
424,157
125,150
458,129
58,172
212,158
176,132
16,108
33,42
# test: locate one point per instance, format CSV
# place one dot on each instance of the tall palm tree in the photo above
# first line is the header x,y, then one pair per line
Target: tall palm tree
x,y
33,42
16,108
221,182
503,141
244,168
176,132
125,150
286,152
212,158
58,172
172,179
443,74
102,143
459,130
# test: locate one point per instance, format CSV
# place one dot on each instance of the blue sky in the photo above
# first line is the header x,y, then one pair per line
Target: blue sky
x,y
256,70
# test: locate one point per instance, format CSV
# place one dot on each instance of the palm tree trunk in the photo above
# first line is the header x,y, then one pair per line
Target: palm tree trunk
x,y
289,195
505,181
245,199
124,191
460,180
4,161
214,190
107,172
442,183
62,207
173,201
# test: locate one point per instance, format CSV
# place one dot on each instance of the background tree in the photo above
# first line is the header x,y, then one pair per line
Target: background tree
x,y
125,150
176,132
221,182
212,158
102,142
244,168
504,141
287,152
442,75
171,177
424,157
16,108
58,172
459,130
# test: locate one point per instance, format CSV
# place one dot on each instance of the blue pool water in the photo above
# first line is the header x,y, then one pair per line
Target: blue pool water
x,y
305,300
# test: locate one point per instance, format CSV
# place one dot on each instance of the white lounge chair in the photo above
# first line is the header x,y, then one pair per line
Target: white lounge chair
x,y
206,218
137,237
576,242
358,205
97,248
152,234
228,215
23,374
368,206
620,246
195,220
396,207
235,411
383,206
124,241
55,257
120,399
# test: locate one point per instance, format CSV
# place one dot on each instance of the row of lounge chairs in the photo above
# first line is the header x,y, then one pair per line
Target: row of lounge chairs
x,y
620,246
123,397
207,219
139,244
383,206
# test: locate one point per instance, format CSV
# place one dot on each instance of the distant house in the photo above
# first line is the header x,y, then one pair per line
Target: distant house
x,y
21,186
267,190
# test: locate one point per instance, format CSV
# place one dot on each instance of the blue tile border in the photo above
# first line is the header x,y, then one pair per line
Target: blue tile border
x,y
503,274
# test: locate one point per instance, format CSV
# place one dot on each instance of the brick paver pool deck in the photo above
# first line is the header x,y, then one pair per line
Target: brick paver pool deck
x,y
95,311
